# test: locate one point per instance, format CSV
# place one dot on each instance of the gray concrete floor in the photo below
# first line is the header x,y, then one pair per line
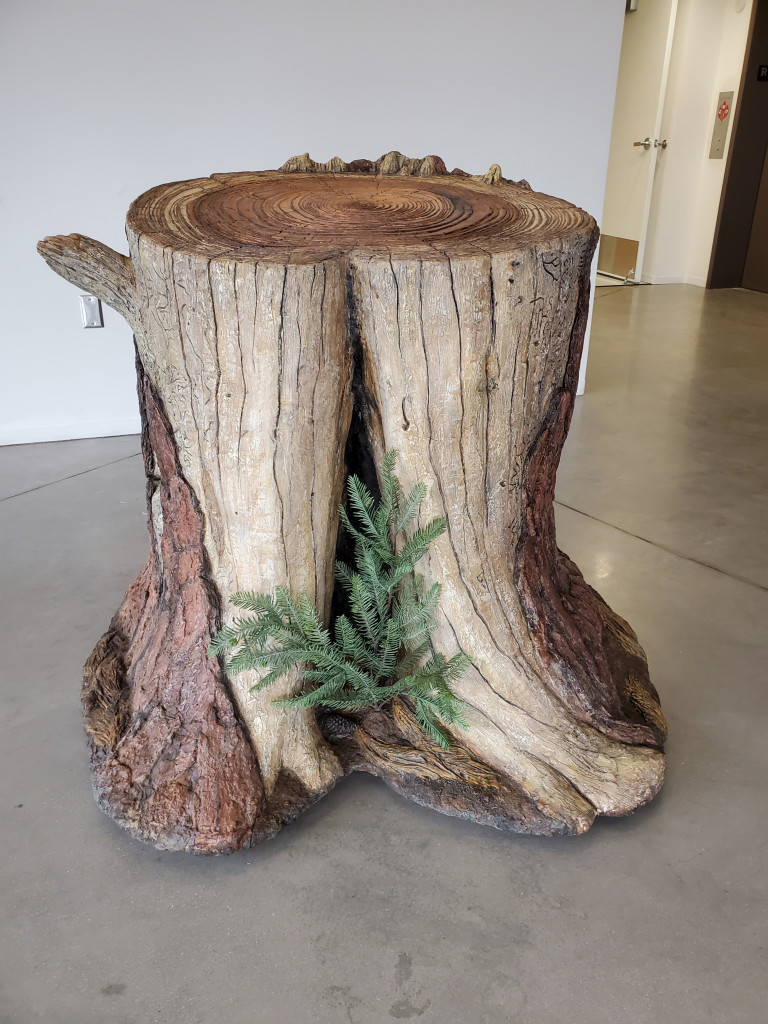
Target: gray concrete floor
x,y
370,908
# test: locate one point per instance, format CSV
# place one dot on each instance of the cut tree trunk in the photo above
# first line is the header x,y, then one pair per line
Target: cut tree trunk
x,y
290,327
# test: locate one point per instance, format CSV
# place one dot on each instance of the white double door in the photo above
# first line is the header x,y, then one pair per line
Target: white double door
x,y
635,139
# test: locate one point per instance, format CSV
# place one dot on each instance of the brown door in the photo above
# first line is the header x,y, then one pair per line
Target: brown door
x,y
756,266
742,221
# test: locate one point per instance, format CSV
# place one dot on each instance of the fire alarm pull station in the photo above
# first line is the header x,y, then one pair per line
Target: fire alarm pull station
x,y
722,120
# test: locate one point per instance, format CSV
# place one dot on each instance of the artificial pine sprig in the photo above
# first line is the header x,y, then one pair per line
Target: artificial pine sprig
x,y
379,651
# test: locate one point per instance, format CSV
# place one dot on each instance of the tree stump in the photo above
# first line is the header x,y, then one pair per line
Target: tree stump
x,y
290,327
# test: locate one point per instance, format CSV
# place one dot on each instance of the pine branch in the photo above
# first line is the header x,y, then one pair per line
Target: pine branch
x,y
410,509
383,648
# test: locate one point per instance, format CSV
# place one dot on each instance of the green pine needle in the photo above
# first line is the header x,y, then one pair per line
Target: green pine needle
x,y
383,648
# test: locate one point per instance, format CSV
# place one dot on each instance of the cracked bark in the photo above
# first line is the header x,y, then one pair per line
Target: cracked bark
x,y
290,327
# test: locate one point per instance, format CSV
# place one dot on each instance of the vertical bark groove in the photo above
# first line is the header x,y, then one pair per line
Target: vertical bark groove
x,y
171,760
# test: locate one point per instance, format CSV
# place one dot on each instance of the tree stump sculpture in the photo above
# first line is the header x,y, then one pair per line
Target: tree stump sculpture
x,y
290,327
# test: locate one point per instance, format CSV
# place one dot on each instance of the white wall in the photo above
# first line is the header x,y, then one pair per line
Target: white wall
x,y
707,57
106,98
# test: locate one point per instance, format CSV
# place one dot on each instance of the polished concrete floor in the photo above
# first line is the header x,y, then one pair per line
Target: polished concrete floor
x,y
371,909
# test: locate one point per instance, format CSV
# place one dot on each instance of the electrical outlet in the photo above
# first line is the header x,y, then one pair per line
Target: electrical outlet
x,y
90,310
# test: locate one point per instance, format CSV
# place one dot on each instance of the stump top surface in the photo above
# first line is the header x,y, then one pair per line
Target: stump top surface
x,y
298,217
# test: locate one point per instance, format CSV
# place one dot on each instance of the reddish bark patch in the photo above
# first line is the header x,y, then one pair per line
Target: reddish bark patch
x,y
171,761
589,670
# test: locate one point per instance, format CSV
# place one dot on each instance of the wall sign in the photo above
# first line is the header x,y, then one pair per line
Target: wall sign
x,y
762,72
722,120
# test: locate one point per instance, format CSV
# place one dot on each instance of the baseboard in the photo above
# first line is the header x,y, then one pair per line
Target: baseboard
x,y
33,433
700,282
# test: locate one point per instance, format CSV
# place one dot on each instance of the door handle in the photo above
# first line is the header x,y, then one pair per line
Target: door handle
x,y
660,145
646,143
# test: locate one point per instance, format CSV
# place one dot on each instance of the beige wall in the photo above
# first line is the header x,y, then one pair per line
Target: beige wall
x,y
707,57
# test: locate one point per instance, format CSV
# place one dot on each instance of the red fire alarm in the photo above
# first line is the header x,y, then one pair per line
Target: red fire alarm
x,y
720,129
